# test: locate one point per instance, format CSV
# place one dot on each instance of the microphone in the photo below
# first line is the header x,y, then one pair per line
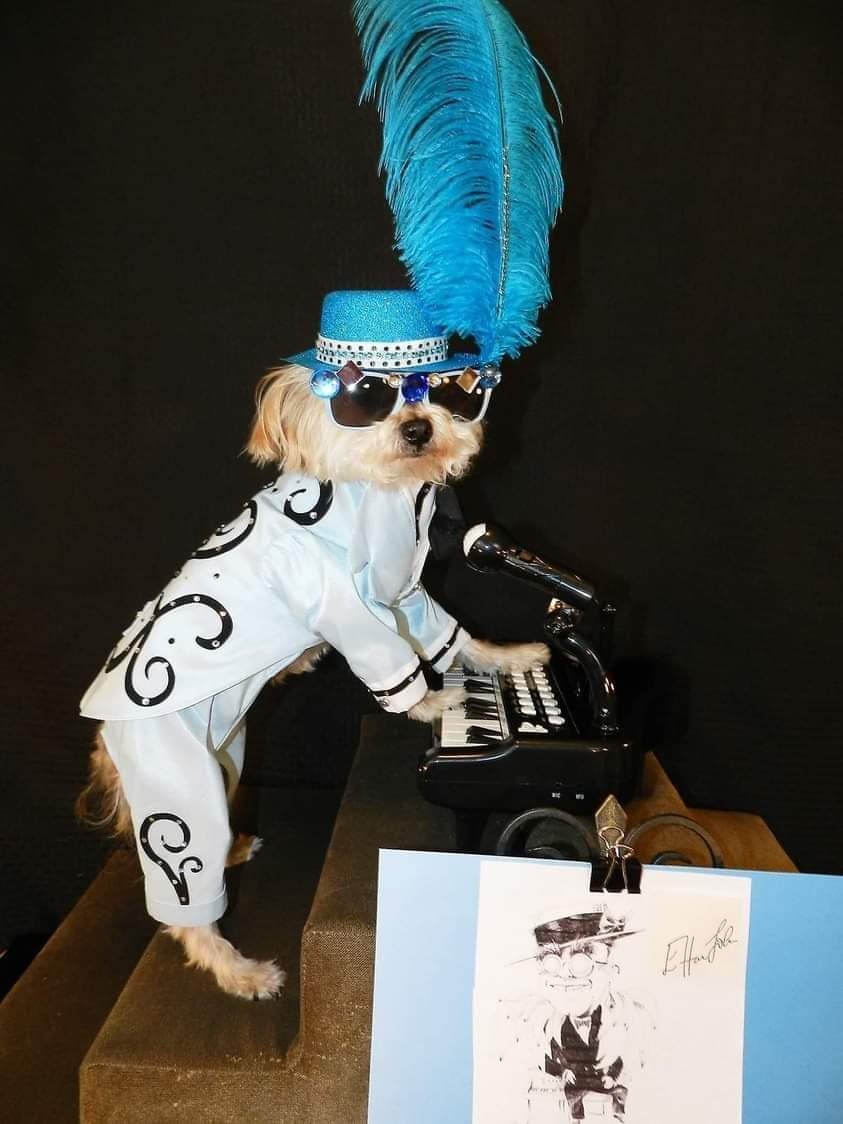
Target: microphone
x,y
489,549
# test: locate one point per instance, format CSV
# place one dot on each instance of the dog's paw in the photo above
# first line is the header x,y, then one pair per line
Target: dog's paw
x,y
447,698
252,979
244,848
435,703
481,655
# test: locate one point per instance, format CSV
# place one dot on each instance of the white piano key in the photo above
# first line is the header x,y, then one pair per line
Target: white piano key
x,y
481,724
455,723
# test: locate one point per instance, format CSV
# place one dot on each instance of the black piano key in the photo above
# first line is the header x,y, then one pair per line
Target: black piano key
x,y
480,710
479,735
474,687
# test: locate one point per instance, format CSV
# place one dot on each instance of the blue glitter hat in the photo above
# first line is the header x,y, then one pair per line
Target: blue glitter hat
x,y
379,330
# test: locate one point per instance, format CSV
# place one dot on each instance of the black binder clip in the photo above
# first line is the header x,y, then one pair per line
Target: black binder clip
x,y
619,873
618,870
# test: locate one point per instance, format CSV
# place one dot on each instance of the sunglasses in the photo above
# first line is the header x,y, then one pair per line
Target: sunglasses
x,y
357,398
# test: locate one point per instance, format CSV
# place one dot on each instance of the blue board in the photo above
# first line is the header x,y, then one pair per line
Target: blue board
x,y
421,1065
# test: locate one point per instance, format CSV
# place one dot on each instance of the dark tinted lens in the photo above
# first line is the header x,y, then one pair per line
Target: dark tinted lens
x,y
451,395
367,401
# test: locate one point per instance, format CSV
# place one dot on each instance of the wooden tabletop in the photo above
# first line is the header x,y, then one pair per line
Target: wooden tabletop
x,y
745,840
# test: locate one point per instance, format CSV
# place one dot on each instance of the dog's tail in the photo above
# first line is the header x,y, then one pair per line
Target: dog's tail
x,y
101,804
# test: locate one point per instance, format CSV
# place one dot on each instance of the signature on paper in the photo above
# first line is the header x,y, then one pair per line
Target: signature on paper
x,y
681,955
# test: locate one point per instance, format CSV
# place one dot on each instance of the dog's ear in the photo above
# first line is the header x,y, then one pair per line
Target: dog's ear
x,y
267,441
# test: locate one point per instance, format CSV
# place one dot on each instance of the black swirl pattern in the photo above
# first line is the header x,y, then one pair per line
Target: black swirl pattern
x,y
310,516
241,532
421,496
177,881
135,646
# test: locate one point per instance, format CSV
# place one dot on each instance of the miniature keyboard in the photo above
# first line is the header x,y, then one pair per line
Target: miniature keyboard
x,y
520,740
501,706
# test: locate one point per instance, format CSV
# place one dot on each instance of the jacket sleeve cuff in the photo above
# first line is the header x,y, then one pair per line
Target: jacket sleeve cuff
x,y
403,692
444,650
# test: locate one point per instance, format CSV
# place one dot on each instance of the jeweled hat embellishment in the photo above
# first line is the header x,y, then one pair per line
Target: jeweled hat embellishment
x,y
374,353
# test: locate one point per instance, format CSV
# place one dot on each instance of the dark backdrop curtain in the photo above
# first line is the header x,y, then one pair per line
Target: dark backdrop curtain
x,y
182,184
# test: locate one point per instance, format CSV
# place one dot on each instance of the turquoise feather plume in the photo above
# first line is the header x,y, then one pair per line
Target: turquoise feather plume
x,y
472,163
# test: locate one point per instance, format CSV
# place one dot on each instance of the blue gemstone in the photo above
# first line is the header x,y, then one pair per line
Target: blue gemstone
x,y
325,384
414,387
490,377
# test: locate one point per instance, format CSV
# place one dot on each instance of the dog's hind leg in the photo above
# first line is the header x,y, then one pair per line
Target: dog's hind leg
x,y
230,754
307,661
206,947
102,803
230,757
243,849
176,790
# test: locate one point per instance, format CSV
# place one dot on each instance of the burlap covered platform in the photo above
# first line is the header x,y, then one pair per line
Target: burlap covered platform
x,y
159,1043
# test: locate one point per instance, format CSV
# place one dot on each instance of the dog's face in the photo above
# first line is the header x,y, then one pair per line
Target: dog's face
x,y
419,442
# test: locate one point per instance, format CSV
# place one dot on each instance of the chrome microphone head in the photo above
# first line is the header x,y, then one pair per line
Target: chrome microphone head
x,y
490,549
485,546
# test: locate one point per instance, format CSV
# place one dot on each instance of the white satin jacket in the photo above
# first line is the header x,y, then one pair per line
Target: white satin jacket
x,y
305,561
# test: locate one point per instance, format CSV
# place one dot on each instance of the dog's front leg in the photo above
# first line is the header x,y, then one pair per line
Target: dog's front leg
x,y
435,703
482,655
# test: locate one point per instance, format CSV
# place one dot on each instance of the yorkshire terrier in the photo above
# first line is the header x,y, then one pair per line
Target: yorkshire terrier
x,y
365,449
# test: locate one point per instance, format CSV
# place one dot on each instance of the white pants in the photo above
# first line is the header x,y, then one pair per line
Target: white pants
x,y
178,773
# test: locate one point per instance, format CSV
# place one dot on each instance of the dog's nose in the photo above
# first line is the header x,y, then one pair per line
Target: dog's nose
x,y
417,432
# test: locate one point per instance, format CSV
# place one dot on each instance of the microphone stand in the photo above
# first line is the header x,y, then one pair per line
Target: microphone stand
x,y
560,624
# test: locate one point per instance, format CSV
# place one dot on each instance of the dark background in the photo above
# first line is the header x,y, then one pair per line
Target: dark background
x,y
185,181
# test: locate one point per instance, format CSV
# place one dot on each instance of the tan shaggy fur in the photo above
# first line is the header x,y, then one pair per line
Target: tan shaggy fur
x,y
307,661
101,803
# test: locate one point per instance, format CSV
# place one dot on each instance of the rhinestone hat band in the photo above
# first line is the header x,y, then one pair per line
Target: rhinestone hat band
x,y
376,354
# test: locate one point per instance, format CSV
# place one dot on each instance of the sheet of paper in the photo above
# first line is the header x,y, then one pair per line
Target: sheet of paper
x,y
608,1007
